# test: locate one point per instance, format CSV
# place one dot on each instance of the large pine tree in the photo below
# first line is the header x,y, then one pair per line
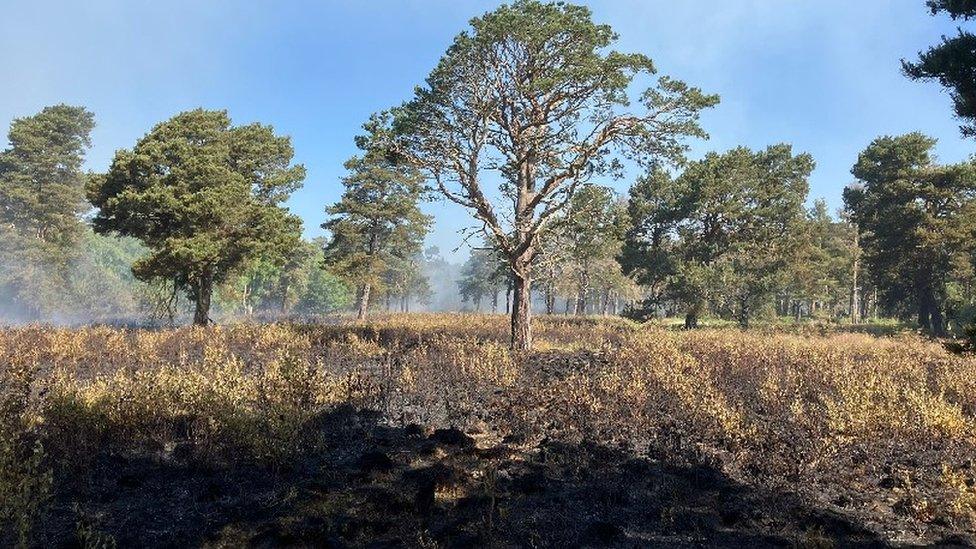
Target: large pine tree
x,y
205,197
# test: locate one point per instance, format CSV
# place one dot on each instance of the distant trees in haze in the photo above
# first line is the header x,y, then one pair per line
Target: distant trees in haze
x,y
484,275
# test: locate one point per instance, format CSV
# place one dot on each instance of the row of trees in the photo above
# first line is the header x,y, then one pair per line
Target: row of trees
x,y
193,209
534,98
730,236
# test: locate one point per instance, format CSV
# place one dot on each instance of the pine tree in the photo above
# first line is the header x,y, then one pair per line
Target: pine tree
x,y
377,221
204,197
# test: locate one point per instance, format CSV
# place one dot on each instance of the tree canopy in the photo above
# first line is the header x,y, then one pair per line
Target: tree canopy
x,y
918,221
723,232
952,62
535,94
377,224
204,197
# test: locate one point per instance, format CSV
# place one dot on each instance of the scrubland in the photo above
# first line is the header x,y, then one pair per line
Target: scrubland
x,y
425,430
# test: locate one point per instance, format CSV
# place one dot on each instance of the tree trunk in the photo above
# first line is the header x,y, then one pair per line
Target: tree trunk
x,y
584,289
522,307
855,305
930,316
938,321
691,318
245,306
923,315
550,298
508,297
744,313
283,305
363,301
201,315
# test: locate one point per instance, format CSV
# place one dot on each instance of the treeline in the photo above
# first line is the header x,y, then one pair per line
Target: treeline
x,y
191,211
535,96
190,221
532,97
730,236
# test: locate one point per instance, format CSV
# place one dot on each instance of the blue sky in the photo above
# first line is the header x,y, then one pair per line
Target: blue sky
x,y
821,74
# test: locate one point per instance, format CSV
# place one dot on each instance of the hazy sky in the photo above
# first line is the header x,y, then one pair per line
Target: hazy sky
x,y
821,74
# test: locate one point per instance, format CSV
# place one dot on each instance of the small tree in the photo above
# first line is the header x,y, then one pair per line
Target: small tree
x,y
535,94
204,197
378,218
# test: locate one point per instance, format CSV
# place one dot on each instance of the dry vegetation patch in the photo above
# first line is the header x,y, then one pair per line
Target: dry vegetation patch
x,y
610,433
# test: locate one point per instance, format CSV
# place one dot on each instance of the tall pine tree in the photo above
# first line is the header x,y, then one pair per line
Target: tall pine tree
x,y
377,222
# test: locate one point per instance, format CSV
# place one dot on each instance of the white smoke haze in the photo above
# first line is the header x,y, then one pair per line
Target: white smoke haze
x,y
442,276
92,286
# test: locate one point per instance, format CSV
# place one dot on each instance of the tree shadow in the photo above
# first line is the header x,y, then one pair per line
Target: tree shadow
x,y
380,486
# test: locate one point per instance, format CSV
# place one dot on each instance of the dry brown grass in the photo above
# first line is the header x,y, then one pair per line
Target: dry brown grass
x,y
880,429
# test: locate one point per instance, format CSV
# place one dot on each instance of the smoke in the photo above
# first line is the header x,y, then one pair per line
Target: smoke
x,y
91,283
442,277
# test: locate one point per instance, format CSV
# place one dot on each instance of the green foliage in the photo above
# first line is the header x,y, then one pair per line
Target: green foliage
x,y
405,280
52,267
918,221
820,280
100,282
41,198
952,62
377,225
957,9
204,197
41,182
722,233
324,293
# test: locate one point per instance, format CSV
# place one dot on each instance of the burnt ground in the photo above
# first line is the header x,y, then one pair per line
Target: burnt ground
x,y
381,486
